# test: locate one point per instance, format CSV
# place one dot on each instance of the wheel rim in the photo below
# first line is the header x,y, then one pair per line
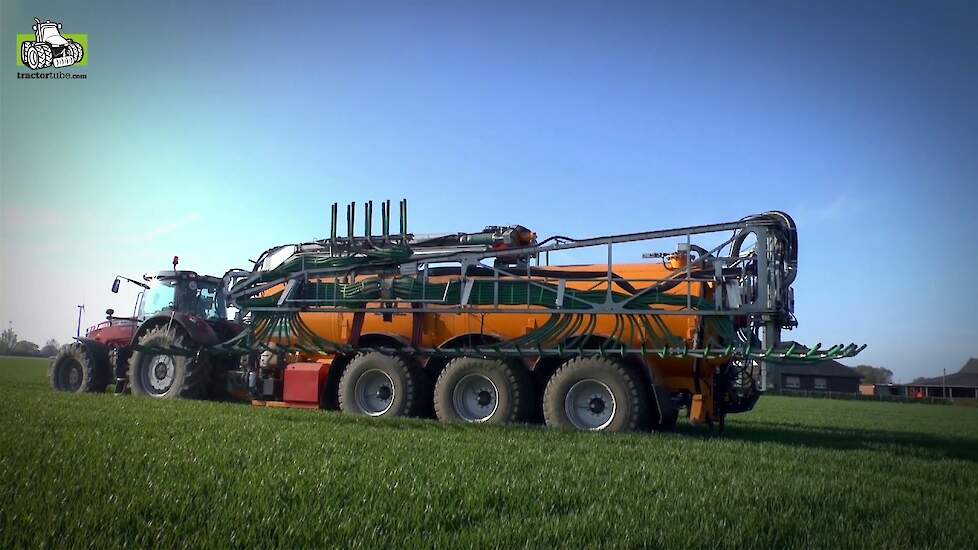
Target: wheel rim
x,y
158,374
32,58
70,375
475,398
590,405
374,392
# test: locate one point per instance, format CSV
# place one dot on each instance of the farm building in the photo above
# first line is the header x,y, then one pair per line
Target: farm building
x,y
824,376
961,384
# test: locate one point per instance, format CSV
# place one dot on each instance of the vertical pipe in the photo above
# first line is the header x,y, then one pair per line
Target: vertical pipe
x,y
403,220
368,214
332,228
608,296
349,226
353,220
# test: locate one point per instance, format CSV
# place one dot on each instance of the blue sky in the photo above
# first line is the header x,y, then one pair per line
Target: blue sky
x,y
215,131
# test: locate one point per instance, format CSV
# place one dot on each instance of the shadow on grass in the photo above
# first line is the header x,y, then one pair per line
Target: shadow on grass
x,y
891,442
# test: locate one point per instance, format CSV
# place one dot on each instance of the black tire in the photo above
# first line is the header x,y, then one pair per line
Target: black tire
x,y
164,375
594,379
486,391
76,50
32,58
74,370
44,55
25,48
376,384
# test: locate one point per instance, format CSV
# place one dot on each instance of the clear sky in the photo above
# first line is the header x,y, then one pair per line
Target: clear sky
x,y
215,131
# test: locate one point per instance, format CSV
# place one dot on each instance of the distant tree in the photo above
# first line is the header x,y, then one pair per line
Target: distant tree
x,y
25,347
50,349
8,339
918,380
875,375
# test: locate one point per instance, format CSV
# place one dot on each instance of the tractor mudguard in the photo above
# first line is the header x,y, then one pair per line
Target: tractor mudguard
x,y
98,351
199,331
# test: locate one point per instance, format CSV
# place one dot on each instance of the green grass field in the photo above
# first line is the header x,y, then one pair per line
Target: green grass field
x,y
104,470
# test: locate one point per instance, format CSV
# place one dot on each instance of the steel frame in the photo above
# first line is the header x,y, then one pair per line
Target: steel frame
x,y
770,308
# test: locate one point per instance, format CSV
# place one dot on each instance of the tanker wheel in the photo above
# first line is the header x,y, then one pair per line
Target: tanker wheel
x,y
375,384
74,370
157,372
597,394
483,391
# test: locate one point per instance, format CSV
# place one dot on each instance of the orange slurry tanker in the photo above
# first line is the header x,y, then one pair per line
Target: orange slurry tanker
x,y
480,327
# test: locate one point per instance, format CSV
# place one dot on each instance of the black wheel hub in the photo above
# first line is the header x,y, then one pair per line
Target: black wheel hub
x,y
384,393
74,376
70,376
160,371
484,398
596,405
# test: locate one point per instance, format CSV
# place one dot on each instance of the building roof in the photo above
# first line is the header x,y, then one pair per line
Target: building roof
x,y
822,368
970,367
967,376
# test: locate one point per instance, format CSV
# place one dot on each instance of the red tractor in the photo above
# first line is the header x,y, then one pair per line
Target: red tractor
x,y
176,310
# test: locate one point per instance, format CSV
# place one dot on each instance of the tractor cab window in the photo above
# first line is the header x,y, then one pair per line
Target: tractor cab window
x,y
160,297
200,298
48,32
208,304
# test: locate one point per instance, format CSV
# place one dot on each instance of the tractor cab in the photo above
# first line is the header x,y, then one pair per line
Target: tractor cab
x,y
49,32
182,292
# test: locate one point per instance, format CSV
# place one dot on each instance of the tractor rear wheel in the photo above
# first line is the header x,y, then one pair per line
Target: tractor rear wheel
x,y
74,370
483,391
25,48
31,57
598,394
376,384
159,370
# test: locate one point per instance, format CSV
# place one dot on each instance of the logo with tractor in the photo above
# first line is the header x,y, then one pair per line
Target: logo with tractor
x,y
49,48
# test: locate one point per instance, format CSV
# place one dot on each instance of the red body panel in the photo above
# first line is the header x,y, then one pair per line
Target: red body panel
x,y
303,382
113,333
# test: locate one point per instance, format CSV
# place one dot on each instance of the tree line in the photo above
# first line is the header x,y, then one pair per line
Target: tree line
x,y
11,345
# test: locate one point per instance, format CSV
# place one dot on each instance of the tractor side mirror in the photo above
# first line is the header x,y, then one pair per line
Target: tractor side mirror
x,y
109,312
115,286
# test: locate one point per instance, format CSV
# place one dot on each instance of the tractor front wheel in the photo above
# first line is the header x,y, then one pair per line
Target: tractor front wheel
x,y
76,51
74,370
160,366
